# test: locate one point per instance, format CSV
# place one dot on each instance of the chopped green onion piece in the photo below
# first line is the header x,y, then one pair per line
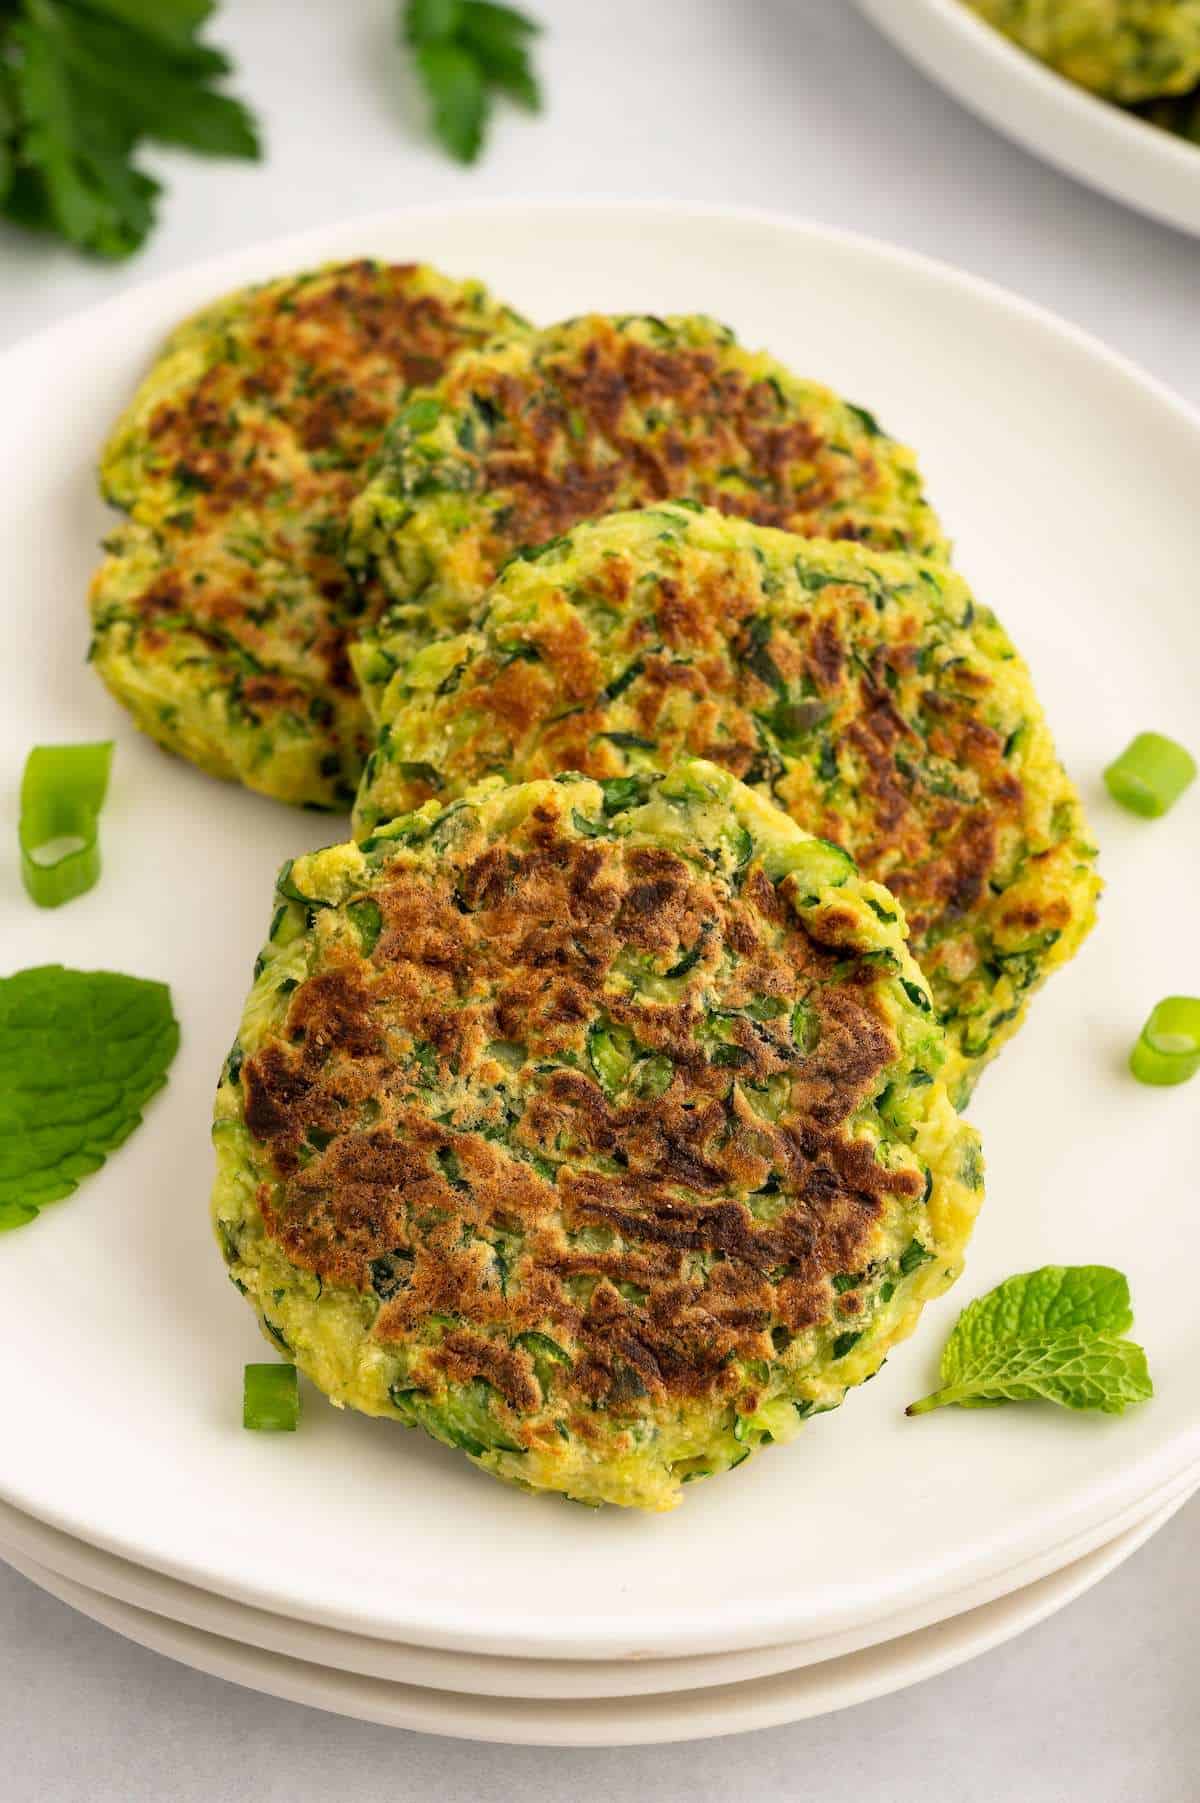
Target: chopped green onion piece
x,y
62,792
1150,775
271,1399
1169,1048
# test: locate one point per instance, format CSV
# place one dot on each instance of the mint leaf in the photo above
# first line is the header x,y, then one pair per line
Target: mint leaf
x,y
1052,1335
1057,1299
1080,1371
465,51
81,1052
82,84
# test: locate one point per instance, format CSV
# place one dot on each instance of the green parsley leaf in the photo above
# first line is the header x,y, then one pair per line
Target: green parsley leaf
x,y
173,22
426,20
8,132
499,37
82,84
461,102
81,1053
465,51
1052,1335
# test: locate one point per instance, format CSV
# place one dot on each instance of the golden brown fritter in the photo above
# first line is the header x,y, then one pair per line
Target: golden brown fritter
x,y
596,1130
868,694
520,442
1127,50
222,613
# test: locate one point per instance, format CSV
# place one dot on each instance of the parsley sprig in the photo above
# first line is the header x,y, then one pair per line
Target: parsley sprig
x,y
83,83
467,51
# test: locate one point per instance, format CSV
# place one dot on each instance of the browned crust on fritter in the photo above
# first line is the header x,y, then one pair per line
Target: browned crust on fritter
x,y
649,1194
935,851
278,436
570,455
328,362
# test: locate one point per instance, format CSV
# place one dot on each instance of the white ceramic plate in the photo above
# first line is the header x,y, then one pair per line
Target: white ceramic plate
x,y
1102,144
735,1708
24,1539
1070,482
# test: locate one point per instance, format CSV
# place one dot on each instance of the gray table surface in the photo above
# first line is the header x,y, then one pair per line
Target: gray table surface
x,y
794,105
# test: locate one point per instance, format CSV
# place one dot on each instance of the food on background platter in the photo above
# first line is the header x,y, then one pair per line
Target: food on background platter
x,y
222,613
522,440
594,1128
1177,113
867,693
1138,53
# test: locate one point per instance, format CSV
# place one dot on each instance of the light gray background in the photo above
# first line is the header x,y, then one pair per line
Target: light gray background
x,y
794,105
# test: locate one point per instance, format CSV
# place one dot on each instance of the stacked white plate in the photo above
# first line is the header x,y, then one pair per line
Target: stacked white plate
x,y
548,1702
369,1571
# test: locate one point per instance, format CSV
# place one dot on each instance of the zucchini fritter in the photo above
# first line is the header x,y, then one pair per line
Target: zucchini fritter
x,y
1126,50
222,612
521,441
868,693
594,1128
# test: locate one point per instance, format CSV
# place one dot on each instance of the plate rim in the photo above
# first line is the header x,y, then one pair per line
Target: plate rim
x,y
226,267
202,1610
1101,120
683,1632
743,1708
